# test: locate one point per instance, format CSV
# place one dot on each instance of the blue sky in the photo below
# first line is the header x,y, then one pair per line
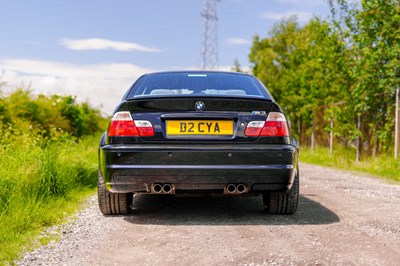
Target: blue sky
x,y
96,49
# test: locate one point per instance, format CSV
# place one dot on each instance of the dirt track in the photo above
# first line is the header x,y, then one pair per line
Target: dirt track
x,y
343,219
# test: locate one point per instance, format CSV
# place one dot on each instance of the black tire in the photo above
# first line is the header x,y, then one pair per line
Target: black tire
x,y
113,203
282,202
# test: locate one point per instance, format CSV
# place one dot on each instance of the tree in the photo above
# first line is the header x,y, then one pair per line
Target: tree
x,y
372,32
302,68
236,66
346,68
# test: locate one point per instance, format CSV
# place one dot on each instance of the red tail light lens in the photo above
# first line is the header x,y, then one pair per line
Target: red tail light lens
x,y
274,126
275,129
122,125
122,129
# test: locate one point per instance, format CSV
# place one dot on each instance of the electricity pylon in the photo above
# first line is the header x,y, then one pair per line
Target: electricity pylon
x,y
209,44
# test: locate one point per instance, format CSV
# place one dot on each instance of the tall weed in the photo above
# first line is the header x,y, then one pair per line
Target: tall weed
x,y
41,180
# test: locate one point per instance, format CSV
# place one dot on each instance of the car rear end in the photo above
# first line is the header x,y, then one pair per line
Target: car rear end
x,y
211,133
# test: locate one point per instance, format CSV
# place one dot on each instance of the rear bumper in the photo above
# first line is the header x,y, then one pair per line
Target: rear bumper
x,y
198,168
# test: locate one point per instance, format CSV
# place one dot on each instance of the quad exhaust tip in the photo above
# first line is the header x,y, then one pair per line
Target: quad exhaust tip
x,y
167,188
231,188
159,188
235,189
241,188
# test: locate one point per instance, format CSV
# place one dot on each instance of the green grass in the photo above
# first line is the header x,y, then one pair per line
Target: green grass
x,y
384,165
41,183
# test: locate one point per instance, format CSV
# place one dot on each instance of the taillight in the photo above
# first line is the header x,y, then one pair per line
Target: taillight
x,y
274,126
145,128
122,125
254,128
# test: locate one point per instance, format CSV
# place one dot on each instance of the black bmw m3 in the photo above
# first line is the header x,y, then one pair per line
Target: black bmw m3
x,y
198,132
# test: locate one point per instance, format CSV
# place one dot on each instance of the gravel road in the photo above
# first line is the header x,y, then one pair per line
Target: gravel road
x,y
343,219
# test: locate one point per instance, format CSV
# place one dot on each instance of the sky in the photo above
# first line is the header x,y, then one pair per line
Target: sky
x,y
95,50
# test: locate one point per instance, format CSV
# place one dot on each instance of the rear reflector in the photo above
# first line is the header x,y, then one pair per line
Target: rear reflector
x,y
122,129
274,126
122,125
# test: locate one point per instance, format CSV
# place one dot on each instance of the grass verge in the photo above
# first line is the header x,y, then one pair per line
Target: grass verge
x,y
381,166
40,185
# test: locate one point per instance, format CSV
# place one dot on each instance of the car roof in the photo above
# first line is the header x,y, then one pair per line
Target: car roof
x,y
197,72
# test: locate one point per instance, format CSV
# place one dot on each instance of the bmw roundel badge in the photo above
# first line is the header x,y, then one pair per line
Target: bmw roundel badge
x,y
199,106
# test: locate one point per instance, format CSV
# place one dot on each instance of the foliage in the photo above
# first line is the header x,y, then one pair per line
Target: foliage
x,y
48,163
373,34
49,115
236,66
336,69
39,184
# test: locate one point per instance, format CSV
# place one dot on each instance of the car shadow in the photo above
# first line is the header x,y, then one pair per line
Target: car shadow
x,y
170,210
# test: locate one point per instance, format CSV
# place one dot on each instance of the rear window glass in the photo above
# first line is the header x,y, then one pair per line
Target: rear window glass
x,y
197,84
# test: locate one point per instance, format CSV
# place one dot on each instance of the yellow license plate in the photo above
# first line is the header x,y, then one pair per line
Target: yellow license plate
x,y
199,127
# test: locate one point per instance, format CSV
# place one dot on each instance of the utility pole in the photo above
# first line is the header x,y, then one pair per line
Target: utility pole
x,y
397,126
312,137
209,36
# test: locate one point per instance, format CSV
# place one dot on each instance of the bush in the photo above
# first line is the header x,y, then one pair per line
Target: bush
x,y
48,151
49,115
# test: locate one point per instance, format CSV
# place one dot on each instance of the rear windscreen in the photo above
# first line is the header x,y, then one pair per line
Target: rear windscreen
x,y
197,84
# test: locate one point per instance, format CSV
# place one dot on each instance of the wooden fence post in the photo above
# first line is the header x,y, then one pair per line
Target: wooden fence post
x,y
358,138
397,126
331,138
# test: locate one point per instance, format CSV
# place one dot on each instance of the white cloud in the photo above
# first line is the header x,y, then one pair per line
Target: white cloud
x,y
238,41
103,44
101,84
301,16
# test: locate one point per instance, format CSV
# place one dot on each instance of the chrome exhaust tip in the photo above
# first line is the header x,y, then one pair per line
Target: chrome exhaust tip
x,y
231,188
157,188
241,188
167,188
